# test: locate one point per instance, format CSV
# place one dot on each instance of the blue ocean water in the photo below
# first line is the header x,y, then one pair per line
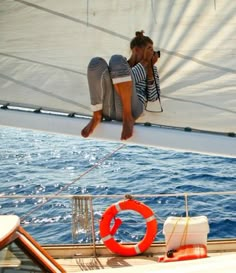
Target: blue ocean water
x,y
35,163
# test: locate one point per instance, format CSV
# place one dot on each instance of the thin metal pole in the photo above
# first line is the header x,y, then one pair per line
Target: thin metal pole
x,y
186,204
93,227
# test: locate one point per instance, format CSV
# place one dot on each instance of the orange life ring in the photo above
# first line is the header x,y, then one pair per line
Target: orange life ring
x,y
107,233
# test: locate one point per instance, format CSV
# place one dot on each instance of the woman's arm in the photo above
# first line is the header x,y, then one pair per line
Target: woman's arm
x,y
139,73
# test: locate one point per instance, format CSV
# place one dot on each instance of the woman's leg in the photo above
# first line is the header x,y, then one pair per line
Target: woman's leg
x,y
101,93
130,107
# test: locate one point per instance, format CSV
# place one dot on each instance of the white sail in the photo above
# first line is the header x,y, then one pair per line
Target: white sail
x,y
45,47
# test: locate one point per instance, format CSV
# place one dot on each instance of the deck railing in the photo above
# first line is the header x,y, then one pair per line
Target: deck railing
x,y
81,213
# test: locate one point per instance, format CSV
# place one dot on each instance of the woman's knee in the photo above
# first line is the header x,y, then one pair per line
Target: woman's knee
x,y
97,63
96,68
119,66
117,61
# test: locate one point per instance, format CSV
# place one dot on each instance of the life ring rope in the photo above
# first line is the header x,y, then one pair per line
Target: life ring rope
x,y
107,233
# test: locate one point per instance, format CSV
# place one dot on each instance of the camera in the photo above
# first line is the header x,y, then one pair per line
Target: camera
x,y
158,53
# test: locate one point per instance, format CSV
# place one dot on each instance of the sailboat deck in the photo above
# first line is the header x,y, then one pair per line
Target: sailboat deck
x,y
221,258
221,262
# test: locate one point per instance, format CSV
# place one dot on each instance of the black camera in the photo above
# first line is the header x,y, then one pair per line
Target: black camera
x,y
158,53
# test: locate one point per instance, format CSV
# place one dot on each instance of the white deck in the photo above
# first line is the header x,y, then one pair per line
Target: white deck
x,y
77,258
221,262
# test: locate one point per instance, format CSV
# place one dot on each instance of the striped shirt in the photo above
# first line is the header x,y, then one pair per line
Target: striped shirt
x,y
146,91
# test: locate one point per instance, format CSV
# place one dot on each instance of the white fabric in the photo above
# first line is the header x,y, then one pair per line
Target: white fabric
x,y
122,79
9,224
96,107
45,47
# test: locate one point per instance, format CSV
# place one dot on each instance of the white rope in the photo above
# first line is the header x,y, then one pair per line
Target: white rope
x,y
52,196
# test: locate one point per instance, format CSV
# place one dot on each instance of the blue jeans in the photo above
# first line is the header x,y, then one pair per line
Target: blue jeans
x,y
103,95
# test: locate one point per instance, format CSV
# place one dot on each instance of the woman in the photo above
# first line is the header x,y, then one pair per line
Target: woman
x,y
121,90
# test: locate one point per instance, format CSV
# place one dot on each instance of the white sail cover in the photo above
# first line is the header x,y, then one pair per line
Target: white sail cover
x,y
45,46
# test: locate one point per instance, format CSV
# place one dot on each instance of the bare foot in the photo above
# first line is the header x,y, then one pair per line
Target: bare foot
x,y
127,131
89,128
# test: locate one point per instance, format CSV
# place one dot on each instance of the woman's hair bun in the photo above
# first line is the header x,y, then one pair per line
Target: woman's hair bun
x,y
139,33
140,40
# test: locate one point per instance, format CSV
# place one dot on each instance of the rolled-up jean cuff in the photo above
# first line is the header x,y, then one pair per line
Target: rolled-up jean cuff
x,y
122,79
96,107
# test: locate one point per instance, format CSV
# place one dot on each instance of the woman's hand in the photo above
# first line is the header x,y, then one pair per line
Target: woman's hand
x,y
148,53
155,58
